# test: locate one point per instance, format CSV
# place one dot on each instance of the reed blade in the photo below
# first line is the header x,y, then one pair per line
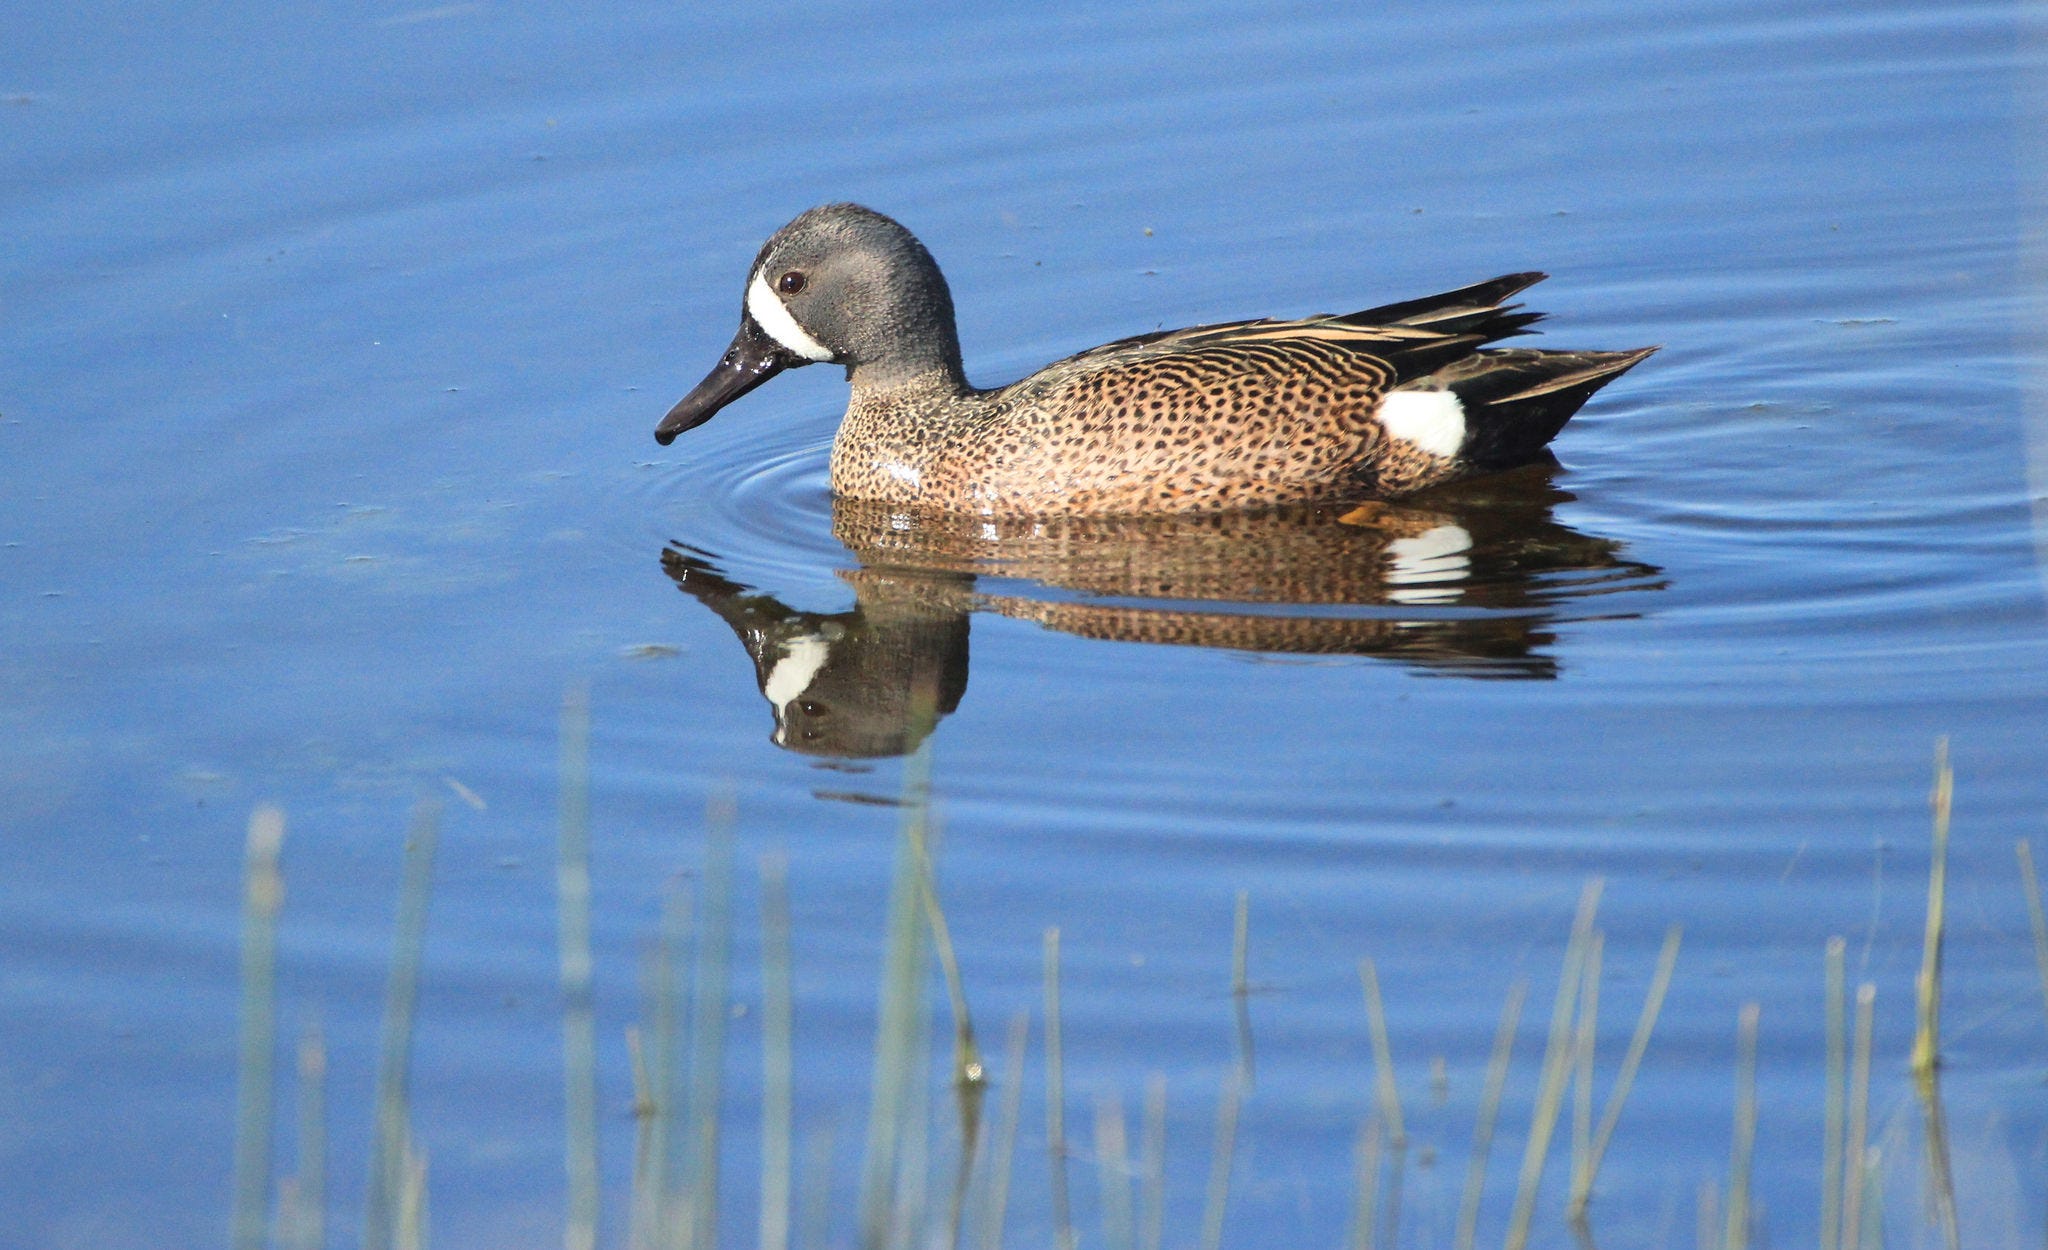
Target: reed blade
x,y
1489,1115
388,1164
262,897
579,1027
1742,1153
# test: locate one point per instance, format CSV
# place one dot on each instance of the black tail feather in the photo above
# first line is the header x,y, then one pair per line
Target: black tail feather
x,y
1516,400
1429,310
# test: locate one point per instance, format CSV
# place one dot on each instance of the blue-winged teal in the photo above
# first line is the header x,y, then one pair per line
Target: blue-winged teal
x,y
1379,403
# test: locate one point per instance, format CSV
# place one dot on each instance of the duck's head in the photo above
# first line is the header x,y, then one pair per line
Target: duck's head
x,y
843,284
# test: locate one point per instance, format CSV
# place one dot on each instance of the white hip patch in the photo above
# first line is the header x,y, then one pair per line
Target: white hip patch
x,y
1431,420
768,312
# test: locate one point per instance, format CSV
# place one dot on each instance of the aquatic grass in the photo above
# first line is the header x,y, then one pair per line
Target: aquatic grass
x,y
1489,1115
1927,986
2031,887
1365,1185
710,1010
656,1205
1859,1118
1707,1208
1056,1097
897,1010
967,1067
1617,1097
996,1195
1925,1060
1941,1188
1832,1132
262,897
969,1077
409,1229
778,1062
388,1213
1130,1183
1152,1212
910,1200
1240,982
968,1084
304,1204
579,1026
1388,1094
1582,1076
1113,1173
1557,1055
815,1197
1222,1157
1742,1152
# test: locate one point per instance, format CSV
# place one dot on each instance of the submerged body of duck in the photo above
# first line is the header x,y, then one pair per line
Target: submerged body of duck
x,y
1373,404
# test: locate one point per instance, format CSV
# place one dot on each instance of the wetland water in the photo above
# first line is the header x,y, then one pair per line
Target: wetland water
x,y
330,351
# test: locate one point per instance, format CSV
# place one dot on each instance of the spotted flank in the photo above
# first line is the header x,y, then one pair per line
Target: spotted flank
x,y
1374,404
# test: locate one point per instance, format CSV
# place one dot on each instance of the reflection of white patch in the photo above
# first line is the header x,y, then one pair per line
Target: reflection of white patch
x,y
1432,420
1422,563
802,657
768,312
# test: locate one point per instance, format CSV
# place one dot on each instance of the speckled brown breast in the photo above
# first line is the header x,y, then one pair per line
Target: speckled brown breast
x,y
1230,426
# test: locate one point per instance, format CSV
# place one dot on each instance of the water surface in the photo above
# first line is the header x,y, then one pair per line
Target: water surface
x,y
333,343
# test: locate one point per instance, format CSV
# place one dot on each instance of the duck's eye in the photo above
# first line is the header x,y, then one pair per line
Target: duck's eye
x,y
790,283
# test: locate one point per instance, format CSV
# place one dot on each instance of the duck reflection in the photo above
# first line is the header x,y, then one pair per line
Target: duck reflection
x,y
1468,581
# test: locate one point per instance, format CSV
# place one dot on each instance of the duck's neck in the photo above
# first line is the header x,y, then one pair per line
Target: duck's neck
x,y
884,385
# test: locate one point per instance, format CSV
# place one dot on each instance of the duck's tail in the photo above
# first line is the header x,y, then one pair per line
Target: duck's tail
x,y
1516,399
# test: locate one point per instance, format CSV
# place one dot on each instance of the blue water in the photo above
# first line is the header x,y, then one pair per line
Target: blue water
x,y
331,345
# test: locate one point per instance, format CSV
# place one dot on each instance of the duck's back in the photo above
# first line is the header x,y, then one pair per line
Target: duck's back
x,y
1380,403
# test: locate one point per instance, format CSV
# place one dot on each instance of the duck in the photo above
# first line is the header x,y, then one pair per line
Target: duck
x,y
1377,404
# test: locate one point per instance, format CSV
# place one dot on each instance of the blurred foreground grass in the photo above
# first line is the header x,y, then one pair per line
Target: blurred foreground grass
x,y
914,1192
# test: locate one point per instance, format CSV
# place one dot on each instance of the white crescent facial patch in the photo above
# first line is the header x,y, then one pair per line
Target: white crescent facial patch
x,y
767,310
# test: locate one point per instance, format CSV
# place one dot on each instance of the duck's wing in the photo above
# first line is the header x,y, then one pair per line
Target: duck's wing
x,y
1415,336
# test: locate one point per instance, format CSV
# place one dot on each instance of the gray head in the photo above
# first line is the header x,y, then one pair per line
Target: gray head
x,y
843,284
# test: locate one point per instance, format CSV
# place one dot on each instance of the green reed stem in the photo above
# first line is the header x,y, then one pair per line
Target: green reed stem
x,y
1831,1140
815,1199
1859,1116
1113,1173
1056,1097
1365,1185
1240,982
1007,1116
309,1218
388,1164
778,1062
1743,1152
898,1012
262,897
1382,1055
1927,1032
2032,888
1222,1157
1489,1115
709,1015
1624,1081
579,1030
1152,1215
1582,1081
1557,1055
